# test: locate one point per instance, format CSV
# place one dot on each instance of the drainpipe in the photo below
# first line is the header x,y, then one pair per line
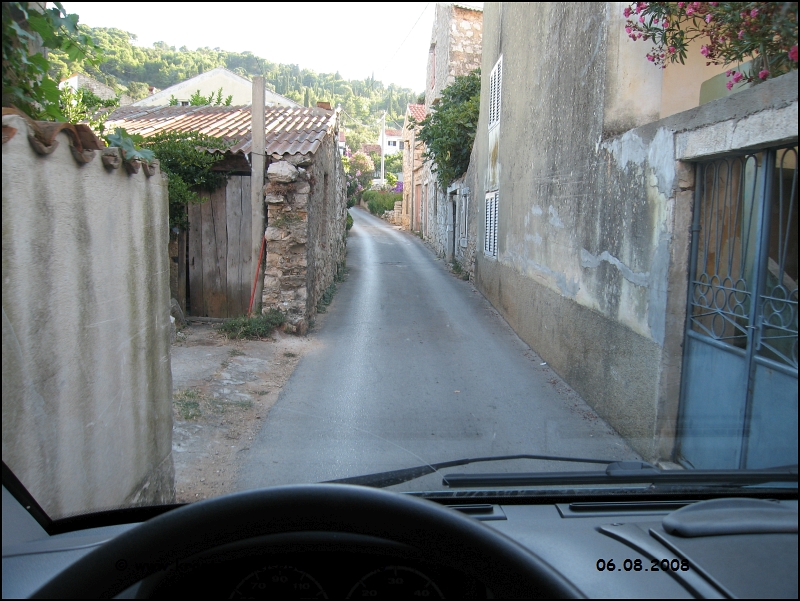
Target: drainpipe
x,y
258,160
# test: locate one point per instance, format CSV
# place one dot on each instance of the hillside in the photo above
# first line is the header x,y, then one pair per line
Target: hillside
x,y
132,69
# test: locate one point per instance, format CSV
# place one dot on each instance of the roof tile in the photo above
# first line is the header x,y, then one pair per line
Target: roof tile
x,y
289,130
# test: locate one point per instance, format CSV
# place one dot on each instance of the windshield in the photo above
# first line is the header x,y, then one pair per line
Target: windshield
x,y
455,269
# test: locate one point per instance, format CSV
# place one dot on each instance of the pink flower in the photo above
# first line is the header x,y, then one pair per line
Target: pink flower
x,y
641,19
627,12
689,11
651,58
729,85
680,4
741,34
754,12
628,30
708,18
793,53
763,74
704,50
737,77
728,73
665,23
672,49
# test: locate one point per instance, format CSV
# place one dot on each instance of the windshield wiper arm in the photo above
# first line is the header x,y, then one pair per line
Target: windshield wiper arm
x,y
628,472
391,478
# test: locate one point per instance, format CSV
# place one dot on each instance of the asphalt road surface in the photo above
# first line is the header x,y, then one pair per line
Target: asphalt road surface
x,y
414,366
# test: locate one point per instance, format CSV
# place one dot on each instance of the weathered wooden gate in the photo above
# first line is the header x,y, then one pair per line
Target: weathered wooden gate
x,y
219,261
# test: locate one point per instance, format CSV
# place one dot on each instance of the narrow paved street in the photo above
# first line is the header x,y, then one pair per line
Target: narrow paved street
x,y
414,366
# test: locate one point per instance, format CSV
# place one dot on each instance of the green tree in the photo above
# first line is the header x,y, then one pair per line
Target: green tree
x,y
449,131
27,84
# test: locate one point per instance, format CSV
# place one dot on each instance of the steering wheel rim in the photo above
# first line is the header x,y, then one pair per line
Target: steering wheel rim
x,y
510,570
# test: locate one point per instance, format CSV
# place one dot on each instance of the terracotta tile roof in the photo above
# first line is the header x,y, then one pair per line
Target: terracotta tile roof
x,y
417,111
395,133
289,130
367,148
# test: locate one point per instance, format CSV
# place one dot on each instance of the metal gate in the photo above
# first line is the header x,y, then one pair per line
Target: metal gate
x,y
739,388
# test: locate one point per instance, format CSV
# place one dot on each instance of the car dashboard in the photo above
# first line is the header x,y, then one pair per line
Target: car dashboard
x,y
603,548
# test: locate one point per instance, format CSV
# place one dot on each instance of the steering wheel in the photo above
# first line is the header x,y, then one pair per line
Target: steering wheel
x,y
510,570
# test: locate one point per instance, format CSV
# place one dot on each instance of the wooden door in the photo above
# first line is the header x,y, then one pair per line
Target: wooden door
x,y
219,251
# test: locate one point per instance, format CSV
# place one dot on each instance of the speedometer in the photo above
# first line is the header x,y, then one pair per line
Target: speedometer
x,y
395,582
278,582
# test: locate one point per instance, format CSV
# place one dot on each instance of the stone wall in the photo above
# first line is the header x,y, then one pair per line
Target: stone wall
x,y
87,408
456,44
306,236
593,223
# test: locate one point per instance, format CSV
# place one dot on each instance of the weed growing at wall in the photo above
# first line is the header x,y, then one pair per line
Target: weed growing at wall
x,y
327,298
349,222
285,220
253,328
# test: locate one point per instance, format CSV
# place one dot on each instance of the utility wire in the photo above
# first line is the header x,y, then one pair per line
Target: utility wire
x,y
387,63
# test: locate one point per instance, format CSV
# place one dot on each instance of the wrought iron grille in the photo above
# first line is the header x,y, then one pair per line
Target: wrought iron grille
x,y
746,242
778,310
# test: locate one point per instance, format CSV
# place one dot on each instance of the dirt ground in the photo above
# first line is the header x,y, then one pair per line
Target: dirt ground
x,y
222,392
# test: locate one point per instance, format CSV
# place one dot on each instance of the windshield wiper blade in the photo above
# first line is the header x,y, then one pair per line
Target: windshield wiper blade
x,y
393,477
628,472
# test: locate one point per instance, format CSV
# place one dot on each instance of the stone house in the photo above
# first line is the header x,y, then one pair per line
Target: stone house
x,y
78,81
412,168
303,198
637,239
455,50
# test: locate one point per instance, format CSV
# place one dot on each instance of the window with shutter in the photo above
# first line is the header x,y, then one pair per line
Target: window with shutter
x,y
495,86
490,235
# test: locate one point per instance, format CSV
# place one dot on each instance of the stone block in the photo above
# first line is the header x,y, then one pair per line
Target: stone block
x,y
301,200
685,174
274,199
282,172
302,188
274,234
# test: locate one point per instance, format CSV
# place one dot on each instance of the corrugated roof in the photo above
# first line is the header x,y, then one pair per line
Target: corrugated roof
x,y
417,111
289,130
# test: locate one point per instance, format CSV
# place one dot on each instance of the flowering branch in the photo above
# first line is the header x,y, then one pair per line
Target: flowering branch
x,y
732,32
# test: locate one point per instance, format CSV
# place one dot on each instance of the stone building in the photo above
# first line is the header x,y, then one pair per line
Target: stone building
x,y
617,215
412,168
304,200
455,50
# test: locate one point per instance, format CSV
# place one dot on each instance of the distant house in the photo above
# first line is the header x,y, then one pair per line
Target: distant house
x,y
392,141
209,83
78,81
305,205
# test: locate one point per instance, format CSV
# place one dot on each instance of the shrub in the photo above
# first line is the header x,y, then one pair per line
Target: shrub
x,y
349,221
253,328
378,201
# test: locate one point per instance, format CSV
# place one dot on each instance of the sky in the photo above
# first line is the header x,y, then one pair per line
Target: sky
x,y
389,39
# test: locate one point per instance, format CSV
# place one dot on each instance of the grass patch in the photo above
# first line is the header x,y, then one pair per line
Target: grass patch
x,y
187,404
286,220
262,392
236,353
289,354
457,269
253,328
